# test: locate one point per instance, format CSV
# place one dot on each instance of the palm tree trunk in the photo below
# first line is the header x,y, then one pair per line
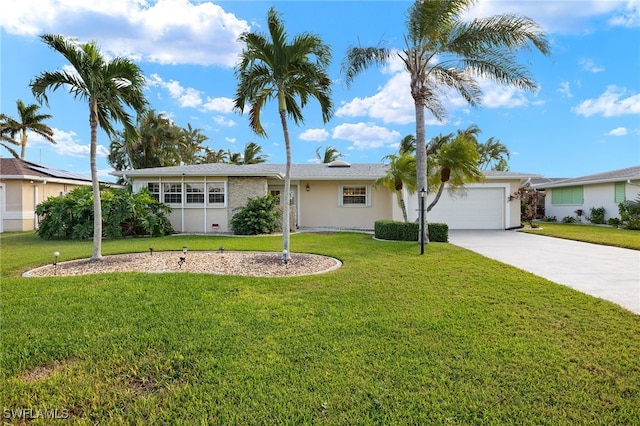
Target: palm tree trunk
x,y
97,205
421,162
23,144
403,205
435,201
286,255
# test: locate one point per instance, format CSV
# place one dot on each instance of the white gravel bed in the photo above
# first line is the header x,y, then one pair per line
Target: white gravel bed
x,y
258,264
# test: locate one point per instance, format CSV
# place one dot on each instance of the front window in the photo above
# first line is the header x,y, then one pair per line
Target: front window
x,y
172,193
354,195
571,195
195,193
154,189
216,193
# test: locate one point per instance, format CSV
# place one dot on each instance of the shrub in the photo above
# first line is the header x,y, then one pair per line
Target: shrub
x,y
569,219
630,214
614,221
549,219
123,214
408,231
259,216
596,215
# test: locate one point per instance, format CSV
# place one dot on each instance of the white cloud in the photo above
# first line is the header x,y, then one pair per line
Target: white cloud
x,y
611,103
230,140
566,16
565,89
629,17
221,104
365,135
314,135
497,96
221,121
66,144
590,66
163,31
618,131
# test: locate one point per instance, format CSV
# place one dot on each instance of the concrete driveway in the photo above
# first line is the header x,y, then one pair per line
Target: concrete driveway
x,y
610,273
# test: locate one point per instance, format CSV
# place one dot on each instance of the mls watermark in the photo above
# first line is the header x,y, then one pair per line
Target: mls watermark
x,y
35,413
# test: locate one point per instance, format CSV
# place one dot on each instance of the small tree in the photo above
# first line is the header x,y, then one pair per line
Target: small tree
x,y
259,216
530,198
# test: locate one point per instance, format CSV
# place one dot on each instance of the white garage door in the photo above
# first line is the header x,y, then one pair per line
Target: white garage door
x,y
480,208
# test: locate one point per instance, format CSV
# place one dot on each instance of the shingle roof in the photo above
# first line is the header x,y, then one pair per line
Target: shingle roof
x,y
19,169
355,171
620,175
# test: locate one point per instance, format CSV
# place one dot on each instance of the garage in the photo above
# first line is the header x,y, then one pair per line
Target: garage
x,y
478,208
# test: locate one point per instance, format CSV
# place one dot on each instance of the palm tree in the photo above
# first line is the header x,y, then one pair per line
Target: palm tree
x,y
6,136
252,154
454,162
407,145
330,154
401,174
211,156
190,147
28,121
291,72
108,86
441,51
234,157
493,152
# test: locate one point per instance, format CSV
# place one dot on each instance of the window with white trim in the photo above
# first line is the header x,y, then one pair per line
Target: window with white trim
x,y
194,193
354,196
154,189
172,193
217,194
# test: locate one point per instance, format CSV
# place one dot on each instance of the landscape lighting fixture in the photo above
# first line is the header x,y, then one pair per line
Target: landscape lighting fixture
x,y
285,257
184,250
56,254
151,250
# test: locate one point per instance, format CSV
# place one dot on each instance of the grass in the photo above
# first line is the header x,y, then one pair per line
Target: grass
x,y
596,234
392,337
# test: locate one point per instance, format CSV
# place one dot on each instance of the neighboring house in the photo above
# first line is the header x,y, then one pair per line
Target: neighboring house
x,y
204,197
606,190
24,185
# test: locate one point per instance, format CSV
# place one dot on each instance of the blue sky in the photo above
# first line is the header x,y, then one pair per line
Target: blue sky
x,y
584,119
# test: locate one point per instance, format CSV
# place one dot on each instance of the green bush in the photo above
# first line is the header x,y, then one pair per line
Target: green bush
x,y
597,215
123,214
259,216
630,214
408,231
614,221
549,219
569,219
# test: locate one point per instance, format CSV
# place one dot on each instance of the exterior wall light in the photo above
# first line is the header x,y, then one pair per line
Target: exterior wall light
x,y
308,188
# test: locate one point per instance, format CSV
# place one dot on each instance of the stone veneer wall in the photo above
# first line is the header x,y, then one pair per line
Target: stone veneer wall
x,y
241,188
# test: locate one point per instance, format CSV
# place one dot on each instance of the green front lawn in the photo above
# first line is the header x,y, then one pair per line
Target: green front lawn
x,y
596,234
392,337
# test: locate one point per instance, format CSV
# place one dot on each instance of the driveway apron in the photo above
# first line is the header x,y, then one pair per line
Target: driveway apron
x,y
610,273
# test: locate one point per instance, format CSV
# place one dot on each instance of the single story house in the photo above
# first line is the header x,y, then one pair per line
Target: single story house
x,y
335,195
24,185
606,190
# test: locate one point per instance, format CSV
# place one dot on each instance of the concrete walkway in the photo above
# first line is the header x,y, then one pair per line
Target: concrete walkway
x,y
610,273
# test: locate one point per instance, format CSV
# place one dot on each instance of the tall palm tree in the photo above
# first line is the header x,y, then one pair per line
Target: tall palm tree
x,y
190,146
401,174
108,86
28,121
441,51
454,163
252,154
330,154
492,152
272,67
211,156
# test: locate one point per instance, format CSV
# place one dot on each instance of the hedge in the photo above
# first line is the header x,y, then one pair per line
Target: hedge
x,y
408,231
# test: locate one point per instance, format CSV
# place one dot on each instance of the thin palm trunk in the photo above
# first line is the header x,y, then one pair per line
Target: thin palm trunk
x,y
97,205
403,206
23,143
287,189
421,162
435,200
